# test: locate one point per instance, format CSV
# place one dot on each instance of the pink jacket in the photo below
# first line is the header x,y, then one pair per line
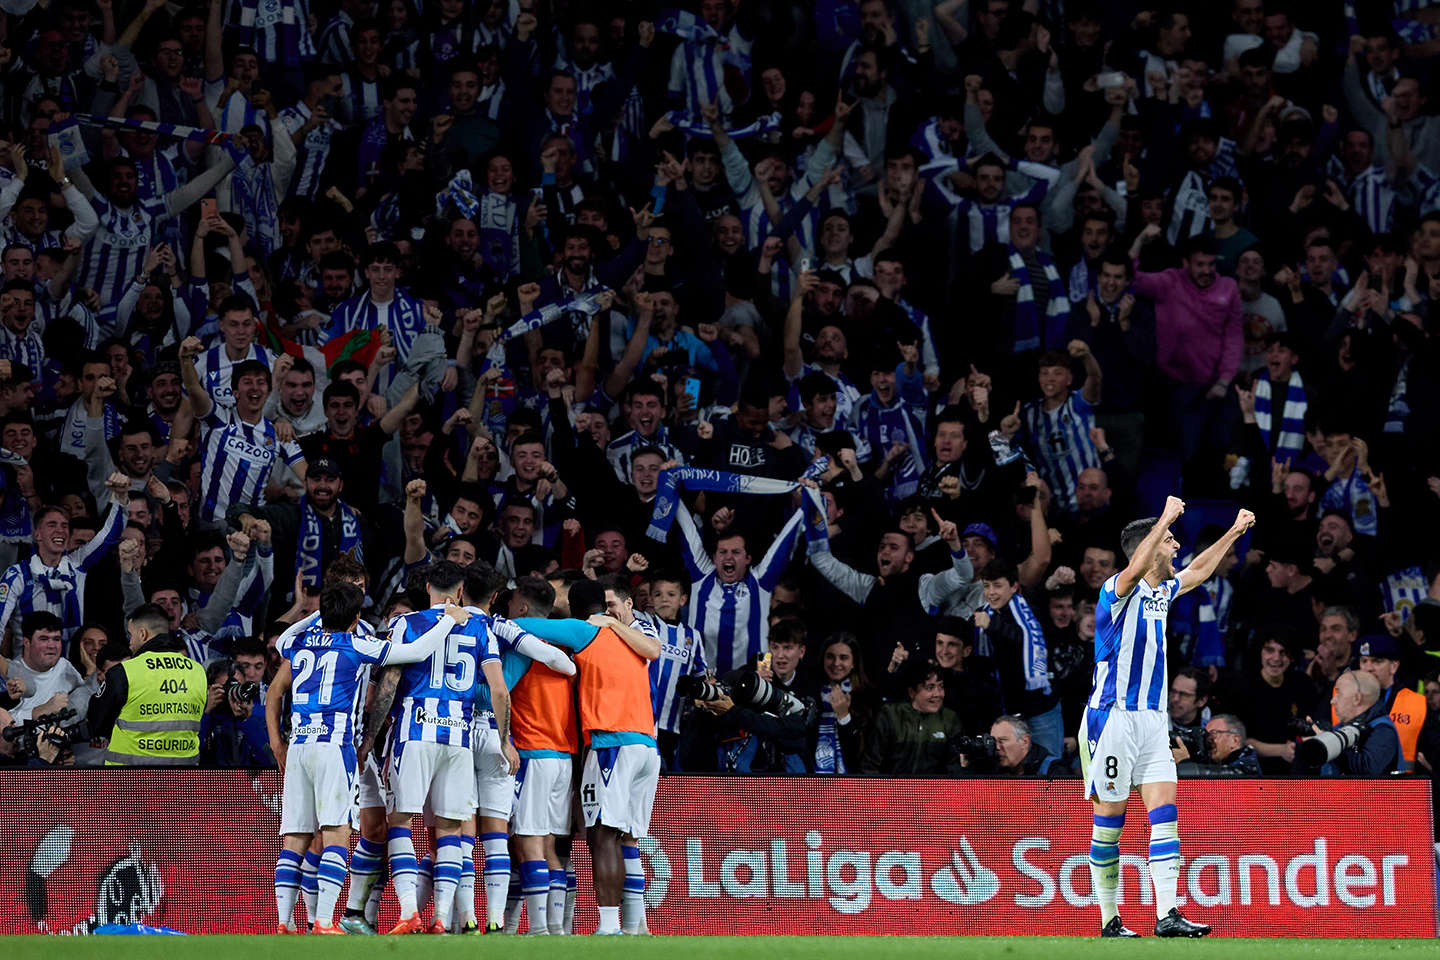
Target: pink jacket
x,y
1199,337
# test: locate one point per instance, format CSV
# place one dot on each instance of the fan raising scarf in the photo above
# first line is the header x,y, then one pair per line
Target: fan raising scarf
x,y
308,544
1030,333
15,520
587,303
829,758
1291,438
460,192
667,499
697,127
66,135
499,234
1034,654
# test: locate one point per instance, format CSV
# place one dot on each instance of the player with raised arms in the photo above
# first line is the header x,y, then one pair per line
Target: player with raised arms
x,y
1125,733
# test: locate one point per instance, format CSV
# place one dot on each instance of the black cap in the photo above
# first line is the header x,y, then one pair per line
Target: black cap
x,y
323,465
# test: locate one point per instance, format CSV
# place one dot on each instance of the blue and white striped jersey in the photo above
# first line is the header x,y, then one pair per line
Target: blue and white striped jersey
x,y
314,150
235,460
1130,647
215,367
1059,441
117,251
29,586
513,664
682,654
733,618
328,682
986,223
436,699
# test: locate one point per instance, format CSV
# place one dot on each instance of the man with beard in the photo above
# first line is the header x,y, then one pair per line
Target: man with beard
x,y
310,534
1200,339
1339,630
580,274
467,274
830,351
167,391
897,603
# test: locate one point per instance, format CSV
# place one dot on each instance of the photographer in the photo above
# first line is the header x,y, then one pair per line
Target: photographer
x,y
149,706
1362,742
1190,711
915,738
1015,753
771,732
1229,755
232,733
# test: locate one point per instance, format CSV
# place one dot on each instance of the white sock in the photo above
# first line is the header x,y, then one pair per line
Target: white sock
x,y
310,883
331,877
403,868
365,867
465,893
447,877
514,900
287,886
535,885
609,920
424,882
497,875
555,908
572,883
1105,863
1164,856
632,900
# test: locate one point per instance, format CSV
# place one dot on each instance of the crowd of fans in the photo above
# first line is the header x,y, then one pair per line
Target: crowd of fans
x,y
286,279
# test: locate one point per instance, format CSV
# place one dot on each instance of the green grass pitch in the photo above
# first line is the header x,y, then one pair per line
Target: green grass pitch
x,y
703,948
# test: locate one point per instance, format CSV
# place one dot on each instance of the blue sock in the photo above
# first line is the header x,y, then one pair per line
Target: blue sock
x,y
331,877
287,886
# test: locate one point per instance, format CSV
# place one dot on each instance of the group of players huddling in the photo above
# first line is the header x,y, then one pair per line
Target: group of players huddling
x,y
480,716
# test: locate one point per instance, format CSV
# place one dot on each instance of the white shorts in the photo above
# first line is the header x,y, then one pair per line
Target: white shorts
x,y
369,791
438,772
617,788
1120,749
542,797
319,787
494,784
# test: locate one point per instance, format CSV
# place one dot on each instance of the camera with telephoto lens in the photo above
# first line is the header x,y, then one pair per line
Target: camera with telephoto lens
x,y
976,748
1325,746
750,690
58,729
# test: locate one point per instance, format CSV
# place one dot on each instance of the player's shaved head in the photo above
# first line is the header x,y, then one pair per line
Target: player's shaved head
x,y
587,597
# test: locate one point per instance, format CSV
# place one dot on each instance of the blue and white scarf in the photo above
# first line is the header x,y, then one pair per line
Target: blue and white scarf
x,y
1403,589
308,544
252,187
1030,334
1291,438
1034,654
829,758
460,192
695,126
586,303
498,222
15,520
667,499
67,135
1211,608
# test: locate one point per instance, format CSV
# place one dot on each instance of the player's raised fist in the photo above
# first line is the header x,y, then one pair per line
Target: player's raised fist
x,y
1244,520
1174,507
415,490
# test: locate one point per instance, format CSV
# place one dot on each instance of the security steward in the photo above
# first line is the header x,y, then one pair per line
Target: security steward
x,y
1379,656
151,704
